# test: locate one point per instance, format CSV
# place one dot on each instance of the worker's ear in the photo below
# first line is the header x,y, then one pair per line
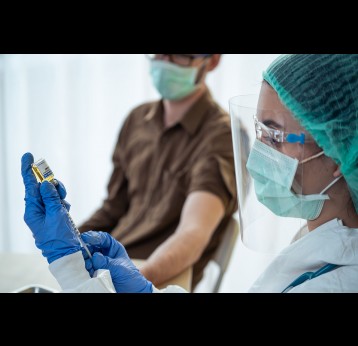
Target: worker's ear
x,y
213,62
337,172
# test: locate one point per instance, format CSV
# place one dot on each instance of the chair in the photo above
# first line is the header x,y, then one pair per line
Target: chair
x,y
224,251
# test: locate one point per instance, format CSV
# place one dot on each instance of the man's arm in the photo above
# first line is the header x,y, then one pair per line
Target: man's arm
x,y
201,214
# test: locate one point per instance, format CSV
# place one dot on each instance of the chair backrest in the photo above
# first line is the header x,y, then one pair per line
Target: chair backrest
x,y
224,251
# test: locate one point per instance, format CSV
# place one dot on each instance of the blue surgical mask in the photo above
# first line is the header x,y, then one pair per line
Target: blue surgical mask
x,y
173,82
273,174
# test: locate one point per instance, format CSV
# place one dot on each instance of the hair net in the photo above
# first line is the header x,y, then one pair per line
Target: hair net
x,y
321,90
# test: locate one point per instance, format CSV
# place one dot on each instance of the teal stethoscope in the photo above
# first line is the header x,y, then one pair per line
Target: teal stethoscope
x,y
310,275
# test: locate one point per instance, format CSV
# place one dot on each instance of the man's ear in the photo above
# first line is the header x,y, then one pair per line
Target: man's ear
x,y
213,62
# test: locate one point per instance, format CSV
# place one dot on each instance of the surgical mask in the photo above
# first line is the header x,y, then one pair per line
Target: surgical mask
x,y
273,174
173,82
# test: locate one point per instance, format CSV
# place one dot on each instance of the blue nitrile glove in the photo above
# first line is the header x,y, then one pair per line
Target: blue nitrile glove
x,y
110,254
46,216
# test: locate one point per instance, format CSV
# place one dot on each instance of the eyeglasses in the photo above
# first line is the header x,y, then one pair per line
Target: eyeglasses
x,y
179,59
273,136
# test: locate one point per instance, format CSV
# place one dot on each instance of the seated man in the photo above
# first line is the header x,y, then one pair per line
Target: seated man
x,y
172,190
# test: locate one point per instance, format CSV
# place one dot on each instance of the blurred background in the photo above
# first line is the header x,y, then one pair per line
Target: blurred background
x,y
69,109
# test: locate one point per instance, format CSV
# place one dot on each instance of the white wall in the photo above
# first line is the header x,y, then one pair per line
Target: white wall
x,y
4,244
69,109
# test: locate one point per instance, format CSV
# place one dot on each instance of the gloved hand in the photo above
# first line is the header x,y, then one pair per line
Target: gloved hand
x,y
46,216
109,254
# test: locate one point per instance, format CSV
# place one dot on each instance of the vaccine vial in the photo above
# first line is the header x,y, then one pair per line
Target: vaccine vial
x,y
43,171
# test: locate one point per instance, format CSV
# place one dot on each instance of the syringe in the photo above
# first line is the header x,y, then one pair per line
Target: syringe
x,y
75,228
43,172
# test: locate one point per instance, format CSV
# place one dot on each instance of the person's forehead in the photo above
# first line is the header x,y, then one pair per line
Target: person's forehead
x,y
269,107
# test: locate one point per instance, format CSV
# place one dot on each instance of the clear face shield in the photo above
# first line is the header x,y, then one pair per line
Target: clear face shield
x,y
276,190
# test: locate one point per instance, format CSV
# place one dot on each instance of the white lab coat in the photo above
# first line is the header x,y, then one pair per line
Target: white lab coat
x,y
330,243
72,276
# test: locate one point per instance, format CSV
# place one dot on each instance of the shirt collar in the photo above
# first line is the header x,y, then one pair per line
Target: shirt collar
x,y
191,120
155,115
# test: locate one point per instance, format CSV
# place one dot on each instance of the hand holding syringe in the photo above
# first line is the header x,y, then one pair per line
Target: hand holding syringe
x,y
43,172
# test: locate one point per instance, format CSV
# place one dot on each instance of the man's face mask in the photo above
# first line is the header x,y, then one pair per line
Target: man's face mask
x,y
173,82
273,174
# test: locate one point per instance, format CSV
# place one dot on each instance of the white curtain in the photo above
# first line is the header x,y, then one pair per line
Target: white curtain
x,y
69,109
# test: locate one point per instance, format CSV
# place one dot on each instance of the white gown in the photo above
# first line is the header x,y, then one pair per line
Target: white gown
x,y
330,243
72,276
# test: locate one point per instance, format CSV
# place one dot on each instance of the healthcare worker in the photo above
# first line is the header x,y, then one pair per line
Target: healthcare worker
x,y
304,166
303,163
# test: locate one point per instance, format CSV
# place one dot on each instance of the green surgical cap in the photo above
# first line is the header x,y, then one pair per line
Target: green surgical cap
x,y
321,90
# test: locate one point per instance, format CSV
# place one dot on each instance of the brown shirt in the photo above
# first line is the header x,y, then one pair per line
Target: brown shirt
x,y
155,169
